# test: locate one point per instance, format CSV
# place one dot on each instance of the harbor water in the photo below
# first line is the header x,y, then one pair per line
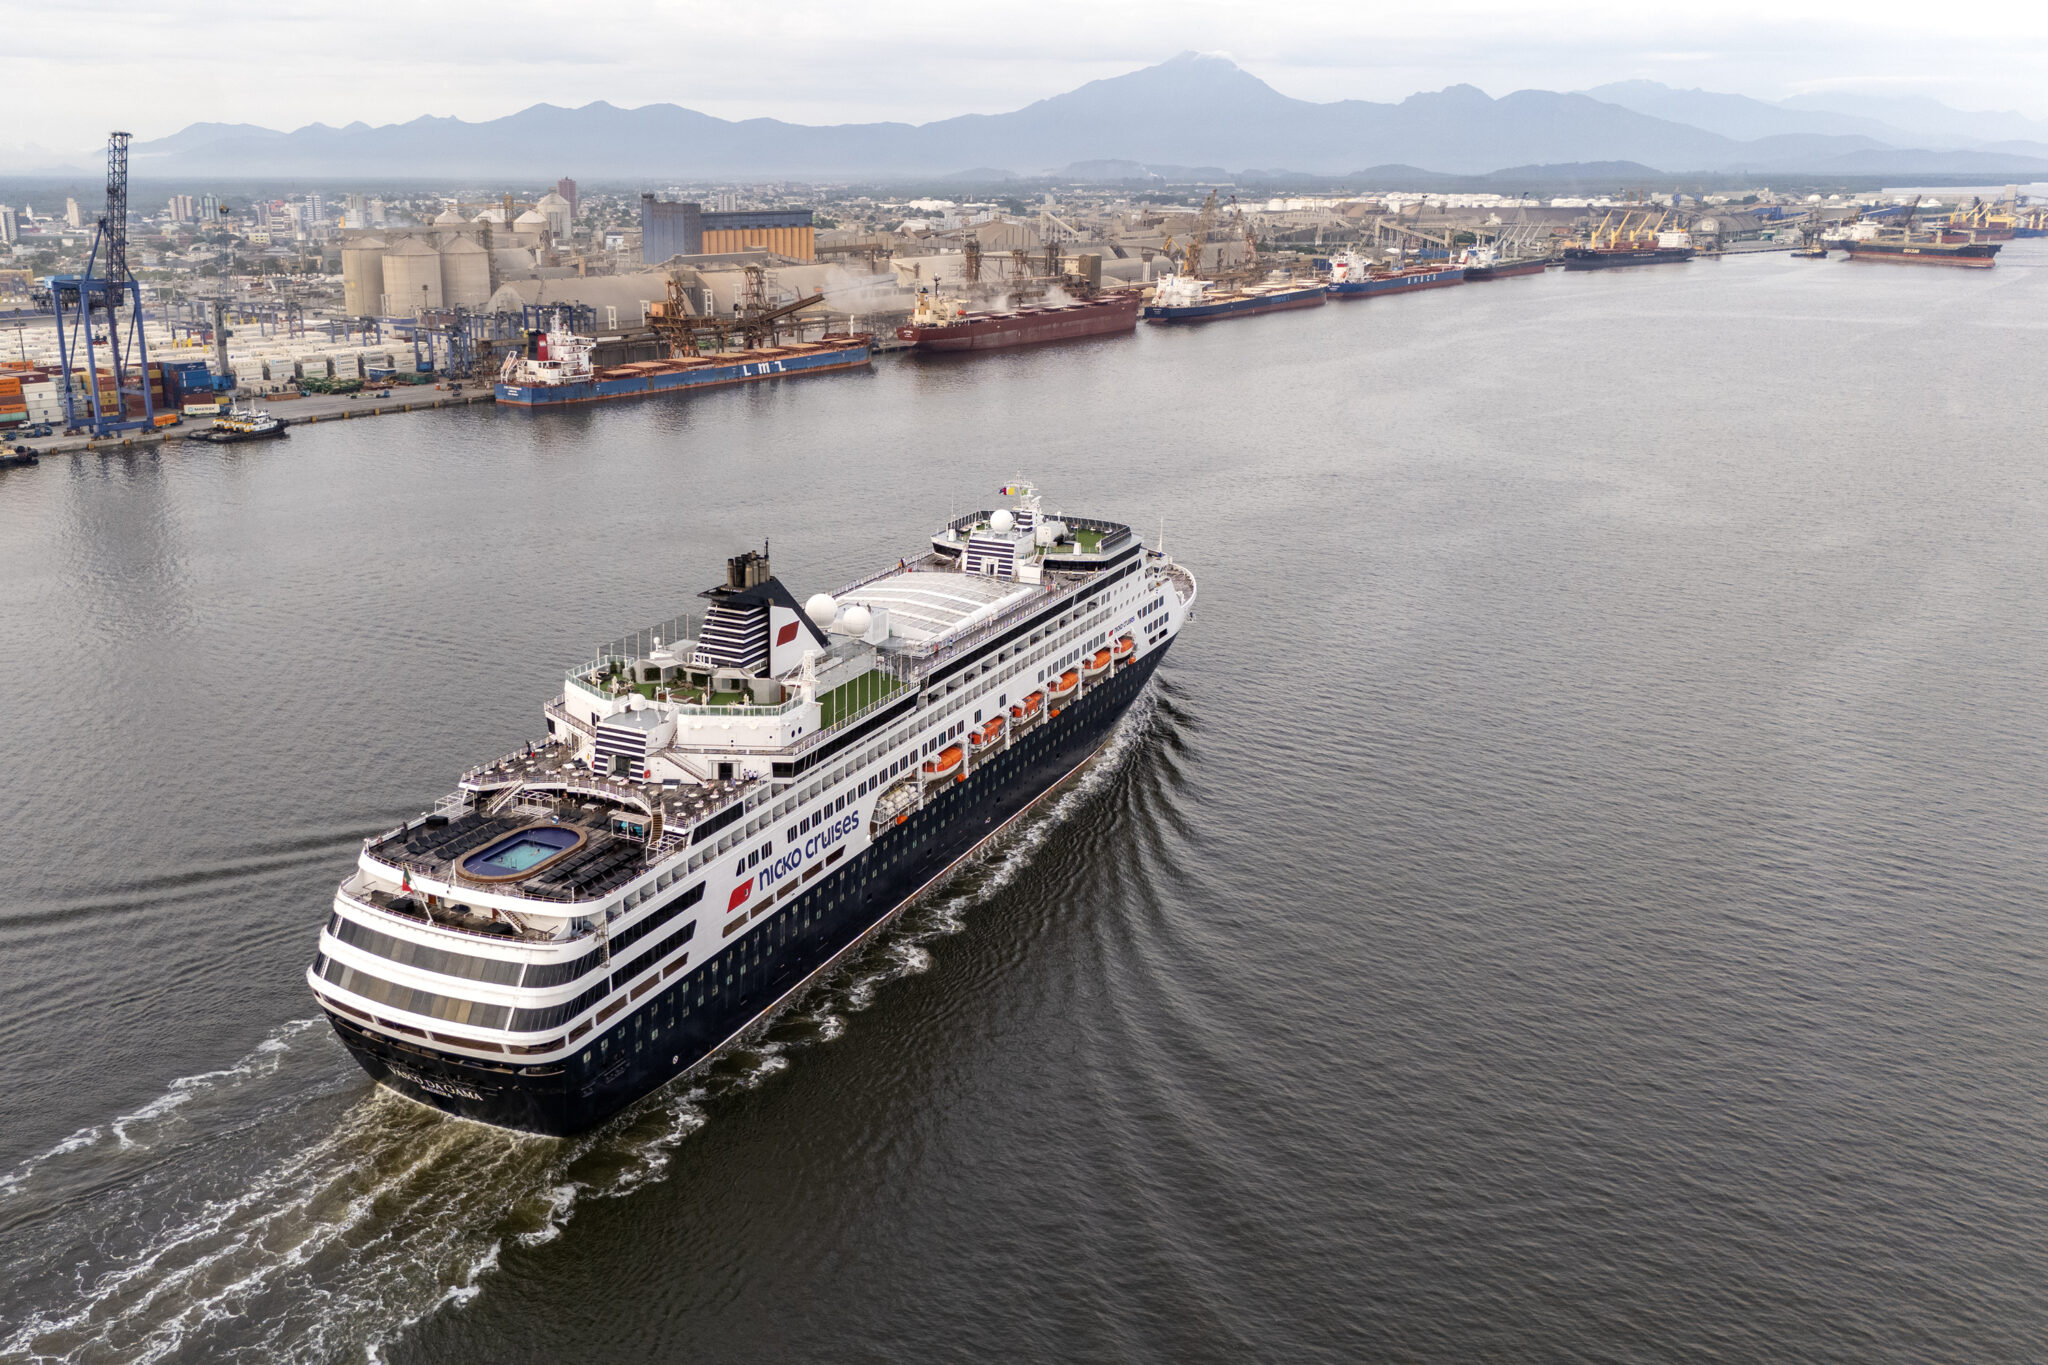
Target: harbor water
x,y
1578,891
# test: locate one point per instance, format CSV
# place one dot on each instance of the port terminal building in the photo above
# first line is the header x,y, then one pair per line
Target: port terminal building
x,y
685,228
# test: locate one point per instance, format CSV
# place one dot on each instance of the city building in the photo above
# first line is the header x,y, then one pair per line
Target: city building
x,y
72,218
10,226
209,209
567,189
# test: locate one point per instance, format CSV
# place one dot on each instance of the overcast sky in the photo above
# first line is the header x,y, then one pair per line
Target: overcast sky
x,y
153,68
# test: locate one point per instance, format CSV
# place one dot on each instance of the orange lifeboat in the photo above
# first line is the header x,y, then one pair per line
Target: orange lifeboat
x,y
1063,686
1126,650
945,764
1095,664
989,733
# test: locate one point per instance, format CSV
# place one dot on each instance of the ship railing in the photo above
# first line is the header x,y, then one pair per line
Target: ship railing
x,y
514,766
906,682
686,708
638,645
556,711
366,902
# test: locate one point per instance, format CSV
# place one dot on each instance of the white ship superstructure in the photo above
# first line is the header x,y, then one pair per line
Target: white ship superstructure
x,y
725,805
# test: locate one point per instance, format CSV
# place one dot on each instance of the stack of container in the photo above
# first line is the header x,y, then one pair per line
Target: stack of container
x,y
13,407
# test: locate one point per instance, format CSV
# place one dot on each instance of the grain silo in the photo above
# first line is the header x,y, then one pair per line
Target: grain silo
x,y
362,276
412,278
465,274
555,209
531,228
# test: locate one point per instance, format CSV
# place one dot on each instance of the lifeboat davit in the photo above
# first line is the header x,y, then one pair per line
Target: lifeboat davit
x,y
945,764
1126,650
1063,686
1096,664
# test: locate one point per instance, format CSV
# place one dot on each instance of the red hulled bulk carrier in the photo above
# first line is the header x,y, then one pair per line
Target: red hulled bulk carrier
x,y
946,324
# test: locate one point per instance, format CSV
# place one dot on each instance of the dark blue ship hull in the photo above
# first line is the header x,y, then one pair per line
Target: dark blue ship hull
x,y
1398,284
1240,306
691,1019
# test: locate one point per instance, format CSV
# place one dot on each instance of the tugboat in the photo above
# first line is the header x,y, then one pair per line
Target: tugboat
x,y
241,424
726,806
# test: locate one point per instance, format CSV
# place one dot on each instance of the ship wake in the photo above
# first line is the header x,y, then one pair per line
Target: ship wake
x,y
273,1210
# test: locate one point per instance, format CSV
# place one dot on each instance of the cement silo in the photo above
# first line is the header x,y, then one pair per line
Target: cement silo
x,y
362,276
465,274
412,278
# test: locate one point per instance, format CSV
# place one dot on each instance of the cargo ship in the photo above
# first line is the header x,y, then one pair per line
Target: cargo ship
x,y
1867,242
1486,263
1629,242
944,324
1185,298
554,368
1353,277
725,807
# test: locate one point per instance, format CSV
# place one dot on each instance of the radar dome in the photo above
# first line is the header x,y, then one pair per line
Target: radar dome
x,y
821,609
1001,523
858,620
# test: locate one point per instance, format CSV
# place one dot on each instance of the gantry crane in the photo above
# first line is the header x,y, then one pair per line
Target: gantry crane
x,y
114,299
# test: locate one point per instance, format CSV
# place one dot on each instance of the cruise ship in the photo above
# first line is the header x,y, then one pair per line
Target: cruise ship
x,y
726,805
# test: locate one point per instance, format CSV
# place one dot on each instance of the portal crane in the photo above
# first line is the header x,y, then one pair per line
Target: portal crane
x,y
753,321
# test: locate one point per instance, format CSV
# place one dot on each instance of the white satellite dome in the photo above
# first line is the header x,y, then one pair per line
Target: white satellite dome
x,y
822,608
1001,522
857,620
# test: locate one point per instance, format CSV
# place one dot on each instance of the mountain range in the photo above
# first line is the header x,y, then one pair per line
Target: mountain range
x,y
1192,111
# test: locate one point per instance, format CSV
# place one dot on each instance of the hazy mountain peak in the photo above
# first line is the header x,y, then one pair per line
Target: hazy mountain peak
x,y
1191,110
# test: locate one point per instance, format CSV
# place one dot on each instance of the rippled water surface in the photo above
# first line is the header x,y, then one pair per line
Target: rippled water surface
x,y
1576,892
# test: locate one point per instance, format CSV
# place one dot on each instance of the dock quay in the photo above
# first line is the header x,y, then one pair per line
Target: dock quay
x,y
295,412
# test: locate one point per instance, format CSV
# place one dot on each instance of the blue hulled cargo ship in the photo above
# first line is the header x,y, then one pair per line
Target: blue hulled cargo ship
x,y
1183,298
1352,277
